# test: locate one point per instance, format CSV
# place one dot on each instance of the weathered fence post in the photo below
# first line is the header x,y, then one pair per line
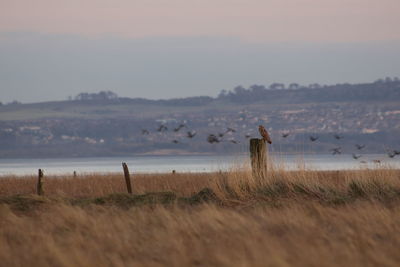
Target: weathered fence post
x,y
258,156
39,187
127,177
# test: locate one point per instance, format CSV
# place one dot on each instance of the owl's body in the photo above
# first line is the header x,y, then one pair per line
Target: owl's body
x,y
264,134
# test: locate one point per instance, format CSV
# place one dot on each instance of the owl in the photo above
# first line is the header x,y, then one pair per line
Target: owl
x,y
264,134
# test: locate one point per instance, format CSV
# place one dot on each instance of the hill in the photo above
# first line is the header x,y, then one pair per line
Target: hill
x,y
103,124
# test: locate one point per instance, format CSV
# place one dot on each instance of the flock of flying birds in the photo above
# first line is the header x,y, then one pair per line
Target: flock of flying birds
x,y
218,137
211,138
338,150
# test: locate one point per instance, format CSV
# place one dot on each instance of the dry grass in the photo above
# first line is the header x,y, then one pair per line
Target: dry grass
x,y
95,185
289,218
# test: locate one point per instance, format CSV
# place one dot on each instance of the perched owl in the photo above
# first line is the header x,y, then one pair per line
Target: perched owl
x,y
264,134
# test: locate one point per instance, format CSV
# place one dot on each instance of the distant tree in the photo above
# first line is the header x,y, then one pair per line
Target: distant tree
x,y
105,95
82,96
388,80
258,89
223,93
314,86
102,95
294,86
277,86
238,90
379,81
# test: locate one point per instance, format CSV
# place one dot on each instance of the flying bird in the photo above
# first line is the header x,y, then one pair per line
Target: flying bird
x,y
391,154
264,134
162,128
175,141
356,156
212,139
191,134
179,127
313,138
359,147
144,131
233,141
338,137
336,150
247,136
284,135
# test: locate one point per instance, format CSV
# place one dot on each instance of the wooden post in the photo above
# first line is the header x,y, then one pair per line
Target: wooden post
x,y
127,177
39,187
258,156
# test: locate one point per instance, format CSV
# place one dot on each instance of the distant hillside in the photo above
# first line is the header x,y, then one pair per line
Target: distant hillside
x,y
103,124
381,90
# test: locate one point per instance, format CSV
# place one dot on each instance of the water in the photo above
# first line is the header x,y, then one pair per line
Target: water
x,y
163,164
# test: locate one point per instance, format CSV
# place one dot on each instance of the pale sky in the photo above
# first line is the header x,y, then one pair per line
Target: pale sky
x,y
172,48
255,20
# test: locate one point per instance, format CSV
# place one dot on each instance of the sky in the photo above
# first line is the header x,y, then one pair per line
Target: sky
x,y
52,49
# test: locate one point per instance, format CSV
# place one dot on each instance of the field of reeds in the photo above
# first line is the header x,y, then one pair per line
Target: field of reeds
x,y
285,218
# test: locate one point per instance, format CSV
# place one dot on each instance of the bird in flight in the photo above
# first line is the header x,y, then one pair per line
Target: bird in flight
x,y
191,134
179,127
230,130
359,147
338,137
284,135
162,128
175,141
212,139
264,134
313,138
336,150
392,153
356,156
144,131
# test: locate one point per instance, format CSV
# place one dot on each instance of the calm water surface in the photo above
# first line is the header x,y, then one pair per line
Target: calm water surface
x,y
162,164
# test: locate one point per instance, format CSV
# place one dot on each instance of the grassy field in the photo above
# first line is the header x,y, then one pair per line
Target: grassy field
x,y
288,218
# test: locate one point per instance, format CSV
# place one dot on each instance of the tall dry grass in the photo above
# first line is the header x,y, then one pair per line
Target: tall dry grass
x,y
297,234
286,218
94,185
238,184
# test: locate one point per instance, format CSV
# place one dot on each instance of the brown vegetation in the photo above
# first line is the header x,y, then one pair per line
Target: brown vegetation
x,y
288,218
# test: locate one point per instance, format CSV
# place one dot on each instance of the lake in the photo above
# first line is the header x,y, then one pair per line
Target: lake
x,y
162,164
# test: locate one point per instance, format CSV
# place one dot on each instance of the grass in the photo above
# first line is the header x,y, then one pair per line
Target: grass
x,y
289,218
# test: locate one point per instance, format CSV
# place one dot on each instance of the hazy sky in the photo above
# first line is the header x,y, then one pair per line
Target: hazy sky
x,y
50,49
